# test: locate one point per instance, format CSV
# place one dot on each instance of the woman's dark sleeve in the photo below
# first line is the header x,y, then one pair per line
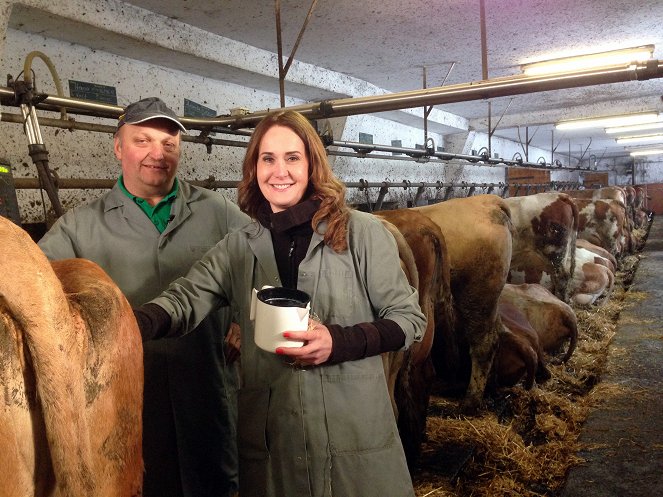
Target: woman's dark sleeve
x,y
350,343
153,321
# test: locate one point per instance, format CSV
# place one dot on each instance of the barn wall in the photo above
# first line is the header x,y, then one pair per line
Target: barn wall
x,y
81,154
654,197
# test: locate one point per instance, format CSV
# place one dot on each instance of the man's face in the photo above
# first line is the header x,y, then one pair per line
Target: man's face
x,y
149,154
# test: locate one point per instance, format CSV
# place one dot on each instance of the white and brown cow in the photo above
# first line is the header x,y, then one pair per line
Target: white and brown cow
x,y
545,230
424,259
72,378
555,321
603,223
477,231
602,255
591,280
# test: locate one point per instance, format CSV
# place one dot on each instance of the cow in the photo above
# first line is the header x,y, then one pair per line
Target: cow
x,y
642,215
519,351
545,229
72,375
423,254
555,321
477,231
603,223
603,256
591,280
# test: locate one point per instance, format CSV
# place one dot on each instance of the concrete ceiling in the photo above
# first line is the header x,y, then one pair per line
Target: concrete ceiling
x,y
387,43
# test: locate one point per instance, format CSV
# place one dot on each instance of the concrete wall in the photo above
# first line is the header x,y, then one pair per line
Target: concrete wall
x,y
80,154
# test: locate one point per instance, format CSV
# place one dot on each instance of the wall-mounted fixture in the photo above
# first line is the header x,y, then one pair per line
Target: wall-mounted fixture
x,y
653,151
609,121
641,138
588,61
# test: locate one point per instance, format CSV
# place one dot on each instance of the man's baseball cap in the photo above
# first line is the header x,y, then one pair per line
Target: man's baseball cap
x,y
147,109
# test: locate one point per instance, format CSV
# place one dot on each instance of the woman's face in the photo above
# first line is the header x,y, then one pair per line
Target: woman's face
x,y
282,169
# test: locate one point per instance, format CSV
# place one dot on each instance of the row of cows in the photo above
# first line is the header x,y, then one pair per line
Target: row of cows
x,y
497,279
64,321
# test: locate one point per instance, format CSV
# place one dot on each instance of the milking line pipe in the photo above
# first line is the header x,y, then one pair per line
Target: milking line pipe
x,y
362,150
99,184
477,90
513,85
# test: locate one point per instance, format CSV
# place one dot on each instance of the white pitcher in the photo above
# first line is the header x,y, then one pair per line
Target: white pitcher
x,y
275,310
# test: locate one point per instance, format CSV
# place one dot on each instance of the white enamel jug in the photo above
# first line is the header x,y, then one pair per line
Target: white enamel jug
x,y
275,310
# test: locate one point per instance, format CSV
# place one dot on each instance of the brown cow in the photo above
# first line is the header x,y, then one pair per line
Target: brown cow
x,y
72,375
545,229
425,262
555,321
478,234
519,353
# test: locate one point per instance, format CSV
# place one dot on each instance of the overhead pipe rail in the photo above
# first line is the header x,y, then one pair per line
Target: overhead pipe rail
x,y
361,150
476,90
485,89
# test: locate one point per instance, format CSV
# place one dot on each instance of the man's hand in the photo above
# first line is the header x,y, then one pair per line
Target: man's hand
x,y
232,343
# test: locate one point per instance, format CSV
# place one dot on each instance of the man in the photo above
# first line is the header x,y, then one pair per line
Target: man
x,y
146,232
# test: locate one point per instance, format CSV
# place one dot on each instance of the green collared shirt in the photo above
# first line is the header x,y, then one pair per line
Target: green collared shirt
x,y
158,214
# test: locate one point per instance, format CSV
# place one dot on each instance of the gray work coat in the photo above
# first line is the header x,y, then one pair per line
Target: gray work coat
x,y
189,414
320,431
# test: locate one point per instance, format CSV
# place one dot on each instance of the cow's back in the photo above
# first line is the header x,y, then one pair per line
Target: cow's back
x,y
72,360
477,231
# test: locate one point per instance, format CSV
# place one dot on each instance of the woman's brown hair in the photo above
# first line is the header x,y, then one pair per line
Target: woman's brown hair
x,y
323,185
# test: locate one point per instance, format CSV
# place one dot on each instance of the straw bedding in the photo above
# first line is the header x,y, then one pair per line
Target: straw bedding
x,y
522,443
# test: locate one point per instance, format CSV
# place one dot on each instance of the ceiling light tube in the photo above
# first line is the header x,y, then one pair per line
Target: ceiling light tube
x,y
641,138
608,121
653,151
589,61
635,127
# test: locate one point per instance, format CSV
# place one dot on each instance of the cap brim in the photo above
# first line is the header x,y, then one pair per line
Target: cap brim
x,y
159,116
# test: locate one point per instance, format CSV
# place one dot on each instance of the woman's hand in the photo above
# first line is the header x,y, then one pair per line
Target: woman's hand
x,y
317,345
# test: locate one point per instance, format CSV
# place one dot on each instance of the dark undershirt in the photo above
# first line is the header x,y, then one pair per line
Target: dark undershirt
x,y
291,232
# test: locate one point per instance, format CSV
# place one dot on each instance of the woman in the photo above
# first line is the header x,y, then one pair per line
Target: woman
x,y
325,426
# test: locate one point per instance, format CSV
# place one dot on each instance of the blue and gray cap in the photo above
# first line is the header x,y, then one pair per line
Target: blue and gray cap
x,y
147,109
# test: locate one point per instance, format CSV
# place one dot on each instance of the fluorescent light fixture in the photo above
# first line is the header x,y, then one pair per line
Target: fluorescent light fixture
x,y
609,121
589,61
653,151
635,127
642,138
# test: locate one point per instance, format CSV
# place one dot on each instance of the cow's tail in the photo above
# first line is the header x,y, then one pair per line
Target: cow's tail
x,y
570,321
34,297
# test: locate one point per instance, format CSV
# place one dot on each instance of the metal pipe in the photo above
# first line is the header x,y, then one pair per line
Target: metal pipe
x,y
104,183
484,42
362,150
477,90
103,128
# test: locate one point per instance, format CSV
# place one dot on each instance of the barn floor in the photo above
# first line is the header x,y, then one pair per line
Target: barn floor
x,y
622,438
